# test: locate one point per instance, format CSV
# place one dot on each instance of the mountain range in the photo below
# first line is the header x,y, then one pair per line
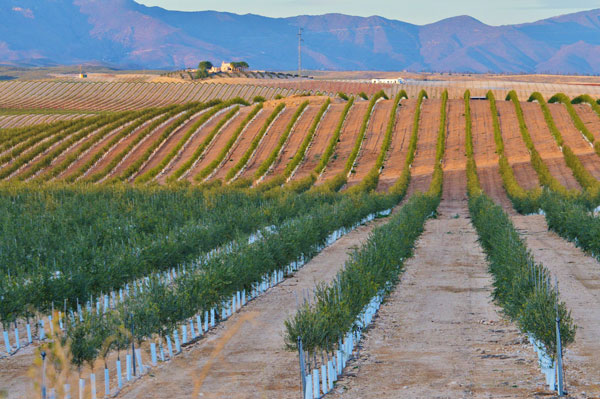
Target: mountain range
x,y
123,33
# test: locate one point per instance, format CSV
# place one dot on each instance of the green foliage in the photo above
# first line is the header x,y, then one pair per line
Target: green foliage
x,y
515,274
343,96
473,186
264,167
363,95
202,147
372,269
150,174
163,305
583,176
361,133
240,65
254,144
399,188
75,241
141,160
436,185
225,150
370,181
259,99
278,97
334,138
523,201
562,98
147,115
546,179
139,137
299,156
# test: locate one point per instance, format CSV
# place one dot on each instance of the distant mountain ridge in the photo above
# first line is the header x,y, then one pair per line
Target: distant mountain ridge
x,y
126,34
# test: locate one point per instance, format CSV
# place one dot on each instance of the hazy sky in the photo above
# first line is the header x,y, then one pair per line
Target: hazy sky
x,y
493,12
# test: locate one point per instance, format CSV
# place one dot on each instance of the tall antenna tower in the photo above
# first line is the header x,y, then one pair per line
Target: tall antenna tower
x,y
299,52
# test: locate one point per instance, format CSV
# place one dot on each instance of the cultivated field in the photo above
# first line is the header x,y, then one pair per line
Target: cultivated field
x,y
409,241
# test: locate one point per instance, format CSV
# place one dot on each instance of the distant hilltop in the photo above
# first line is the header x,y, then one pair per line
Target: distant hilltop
x,y
123,33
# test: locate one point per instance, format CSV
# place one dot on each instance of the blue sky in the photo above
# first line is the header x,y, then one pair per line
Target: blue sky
x,y
493,12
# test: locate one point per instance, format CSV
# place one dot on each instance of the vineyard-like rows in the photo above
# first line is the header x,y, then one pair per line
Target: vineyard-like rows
x,y
145,228
115,96
309,140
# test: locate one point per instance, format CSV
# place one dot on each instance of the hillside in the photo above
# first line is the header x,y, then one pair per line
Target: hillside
x,y
126,34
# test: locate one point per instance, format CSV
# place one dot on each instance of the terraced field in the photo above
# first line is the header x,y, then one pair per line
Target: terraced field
x,y
227,230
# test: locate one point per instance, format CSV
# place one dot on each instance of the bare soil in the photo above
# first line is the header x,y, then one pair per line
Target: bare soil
x,y
194,142
345,145
296,138
439,335
422,167
269,141
371,146
485,155
575,139
320,140
212,151
170,143
394,163
579,285
515,150
546,145
590,118
244,357
243,143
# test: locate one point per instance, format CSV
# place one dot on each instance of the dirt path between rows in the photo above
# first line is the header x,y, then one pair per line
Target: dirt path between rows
x,y
575,139
422,166
211,152
345,145
394,164
244,357
590,118
269,141
320,140
296,138
243,142
544,143
439,335
371,146
579,285
484,153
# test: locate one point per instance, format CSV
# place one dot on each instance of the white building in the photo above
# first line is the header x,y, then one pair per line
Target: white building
x,y
397,81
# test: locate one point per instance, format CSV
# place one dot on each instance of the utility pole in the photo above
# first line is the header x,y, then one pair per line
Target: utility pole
x,y
299,52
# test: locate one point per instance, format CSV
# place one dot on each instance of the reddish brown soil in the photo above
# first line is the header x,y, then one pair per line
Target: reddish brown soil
x,y
296,138
170,143
219,142
190,147
515,150
484,153
269,141
142,147
320,140
590,118
110,155
241,146
579,285
394,163
575,139
455,160
371,146
422,166
439,335
544,143
345,145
